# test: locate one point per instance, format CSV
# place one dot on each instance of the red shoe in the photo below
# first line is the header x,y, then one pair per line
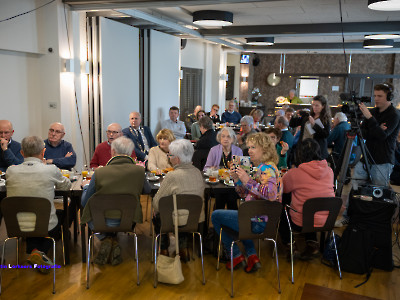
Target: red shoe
x,y
253,264
238,262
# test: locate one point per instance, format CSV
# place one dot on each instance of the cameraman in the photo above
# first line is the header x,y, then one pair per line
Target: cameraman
x,y
379,129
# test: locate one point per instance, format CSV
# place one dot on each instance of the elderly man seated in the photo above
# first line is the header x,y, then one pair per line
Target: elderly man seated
x,y
185,179
33,178
10,150
102,154
231,115
58,151
173,124
246,126
120,176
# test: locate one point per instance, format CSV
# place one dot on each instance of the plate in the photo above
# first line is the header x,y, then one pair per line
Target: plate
x,y
211,182
153,178
229,184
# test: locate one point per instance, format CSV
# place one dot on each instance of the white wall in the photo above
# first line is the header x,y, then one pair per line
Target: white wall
x,y
193,56
164,77
234,60
119,71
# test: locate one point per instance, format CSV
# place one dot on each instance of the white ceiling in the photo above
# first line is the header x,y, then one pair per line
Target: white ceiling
x,y
261,15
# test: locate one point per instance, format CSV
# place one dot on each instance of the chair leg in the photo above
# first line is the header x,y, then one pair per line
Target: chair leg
x,y
54,266
337,256
137,259
155,260
62,244
88,261
152,244
151,213
259,248
219,248
17,251
291,254
193,248
2,261
232,268
201,255
277,267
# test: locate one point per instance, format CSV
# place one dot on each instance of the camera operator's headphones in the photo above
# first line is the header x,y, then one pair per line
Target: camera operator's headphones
x,y
389,95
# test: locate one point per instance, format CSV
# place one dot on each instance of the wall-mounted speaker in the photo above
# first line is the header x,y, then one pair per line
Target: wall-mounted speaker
x,y
256,61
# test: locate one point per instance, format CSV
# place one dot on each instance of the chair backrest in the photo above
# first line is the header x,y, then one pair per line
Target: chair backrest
x,y
314,205
41,207
192,203
99,204
257,208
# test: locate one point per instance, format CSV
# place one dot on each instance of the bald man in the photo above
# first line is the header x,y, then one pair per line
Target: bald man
x,y
102,154
58,151
140,135
10,152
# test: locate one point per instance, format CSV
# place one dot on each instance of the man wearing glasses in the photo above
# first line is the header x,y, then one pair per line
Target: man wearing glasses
x,y
10,152
213,114
102,154
58,151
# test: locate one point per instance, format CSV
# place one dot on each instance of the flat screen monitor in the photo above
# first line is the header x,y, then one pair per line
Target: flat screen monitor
x,y
244,59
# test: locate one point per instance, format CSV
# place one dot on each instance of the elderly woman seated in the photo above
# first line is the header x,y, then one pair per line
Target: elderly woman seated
x,y
265,184
158,159
195,130
246,127
185,179
220,157
312,178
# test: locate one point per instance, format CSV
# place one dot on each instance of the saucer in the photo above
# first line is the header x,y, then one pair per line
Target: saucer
x,y
211,182
153,178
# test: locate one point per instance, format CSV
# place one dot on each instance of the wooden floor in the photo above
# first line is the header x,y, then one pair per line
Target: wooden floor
x,y
119,282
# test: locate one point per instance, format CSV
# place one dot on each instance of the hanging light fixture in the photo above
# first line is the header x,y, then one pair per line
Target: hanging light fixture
x,y
212,18
386,5
377,36
378,44
260,41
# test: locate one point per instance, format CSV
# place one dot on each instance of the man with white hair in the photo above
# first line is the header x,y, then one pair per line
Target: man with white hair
x,y
102,153
10,150
58,151
231,115
185,179
338,135
120,176
33,178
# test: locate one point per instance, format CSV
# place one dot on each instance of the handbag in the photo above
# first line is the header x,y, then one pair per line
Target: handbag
x,y
169,269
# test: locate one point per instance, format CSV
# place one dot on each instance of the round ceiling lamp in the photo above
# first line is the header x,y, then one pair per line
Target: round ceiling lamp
x,y
385,5
260,41
212,18
377,36
378,44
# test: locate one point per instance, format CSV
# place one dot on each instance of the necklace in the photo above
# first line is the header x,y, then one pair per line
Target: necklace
x,y
225,160
134,132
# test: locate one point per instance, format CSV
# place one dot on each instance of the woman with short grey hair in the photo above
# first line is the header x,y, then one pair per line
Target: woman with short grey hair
x,y
122,146
231,133
184,179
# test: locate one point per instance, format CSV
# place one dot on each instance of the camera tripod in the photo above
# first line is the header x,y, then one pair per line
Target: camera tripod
x,y
344,159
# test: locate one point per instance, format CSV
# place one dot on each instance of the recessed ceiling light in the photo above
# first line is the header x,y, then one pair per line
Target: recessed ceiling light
x,y
382,36
212,18
378,44
260,41
386,5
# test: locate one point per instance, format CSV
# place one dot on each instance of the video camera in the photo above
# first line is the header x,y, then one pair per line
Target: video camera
x,y
350,103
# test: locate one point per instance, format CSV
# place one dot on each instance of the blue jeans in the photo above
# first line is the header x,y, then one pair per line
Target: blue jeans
x,y
380,175
229,218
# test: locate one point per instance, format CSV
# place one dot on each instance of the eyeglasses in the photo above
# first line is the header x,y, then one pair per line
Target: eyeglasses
x,y
55,131
170,155
5,132
112,132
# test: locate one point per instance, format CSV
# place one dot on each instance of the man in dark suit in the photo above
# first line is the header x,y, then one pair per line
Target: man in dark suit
x,y
140,135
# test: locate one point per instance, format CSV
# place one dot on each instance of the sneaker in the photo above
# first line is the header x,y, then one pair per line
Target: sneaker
x,y
238,262
253,264
116,258
40,261
104,252
342,222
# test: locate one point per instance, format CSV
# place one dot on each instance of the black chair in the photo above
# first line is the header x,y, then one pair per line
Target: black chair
x,y
41,207
246,211
193,204
312,206
99,204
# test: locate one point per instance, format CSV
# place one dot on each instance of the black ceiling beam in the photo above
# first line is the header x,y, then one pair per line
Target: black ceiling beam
x,y
303,29
311,46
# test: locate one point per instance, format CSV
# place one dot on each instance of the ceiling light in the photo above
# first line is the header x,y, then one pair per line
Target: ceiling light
x,y
212,18
378,36
260,41
378,44
386,5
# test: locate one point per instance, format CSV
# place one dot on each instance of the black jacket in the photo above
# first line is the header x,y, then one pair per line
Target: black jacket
x,y
207,140
381,143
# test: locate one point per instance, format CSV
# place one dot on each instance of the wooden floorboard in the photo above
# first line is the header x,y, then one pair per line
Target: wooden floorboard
x,y
119,282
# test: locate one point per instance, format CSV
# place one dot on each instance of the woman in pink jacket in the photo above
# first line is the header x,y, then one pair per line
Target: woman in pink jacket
x,y
312,178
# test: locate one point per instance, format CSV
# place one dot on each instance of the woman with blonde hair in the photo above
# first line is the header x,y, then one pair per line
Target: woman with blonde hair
x,y
158,159
264,184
